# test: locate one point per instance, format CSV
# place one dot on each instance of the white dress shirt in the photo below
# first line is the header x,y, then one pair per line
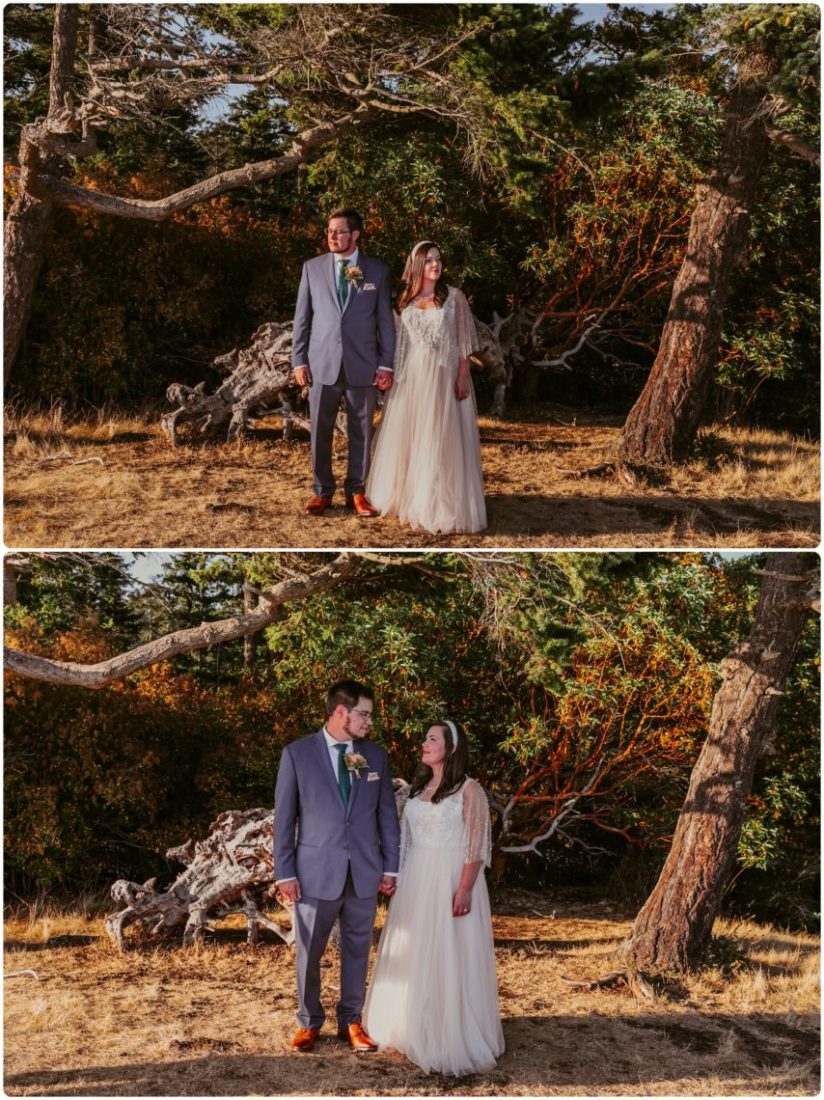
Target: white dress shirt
x,y
331,743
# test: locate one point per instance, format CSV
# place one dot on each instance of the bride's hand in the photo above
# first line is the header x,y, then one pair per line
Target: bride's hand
x,y
462,382
461,903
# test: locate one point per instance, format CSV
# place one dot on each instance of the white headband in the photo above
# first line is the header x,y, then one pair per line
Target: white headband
x,y
414,251
453,729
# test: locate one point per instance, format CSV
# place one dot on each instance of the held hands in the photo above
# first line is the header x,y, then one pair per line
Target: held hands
x,y
383,380
462,902
303,377
388,885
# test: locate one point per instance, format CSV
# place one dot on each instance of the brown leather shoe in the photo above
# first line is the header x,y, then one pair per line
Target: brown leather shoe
x,y
318,505
358,504
304,1040
358,1039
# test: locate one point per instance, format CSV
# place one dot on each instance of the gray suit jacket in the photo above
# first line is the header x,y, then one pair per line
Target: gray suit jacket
x,y
360,337
317,838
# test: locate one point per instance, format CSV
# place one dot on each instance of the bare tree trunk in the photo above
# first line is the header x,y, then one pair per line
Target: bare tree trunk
x,y
24,244
64,48
674,926
662,425
29,220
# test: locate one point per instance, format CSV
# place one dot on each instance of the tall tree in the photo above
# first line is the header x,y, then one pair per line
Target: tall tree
x,y
673,928
663,424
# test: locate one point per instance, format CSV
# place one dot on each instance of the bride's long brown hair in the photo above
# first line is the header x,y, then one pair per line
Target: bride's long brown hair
x,y
413,277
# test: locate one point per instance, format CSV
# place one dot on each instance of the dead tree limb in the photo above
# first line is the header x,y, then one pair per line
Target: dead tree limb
x,y
97,675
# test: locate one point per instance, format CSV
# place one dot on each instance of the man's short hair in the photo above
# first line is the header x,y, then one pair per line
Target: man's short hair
x,y
353,218
346,693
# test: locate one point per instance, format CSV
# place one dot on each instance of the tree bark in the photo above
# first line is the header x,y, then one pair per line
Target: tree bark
x,y
29,220
24,244
673,928
662,426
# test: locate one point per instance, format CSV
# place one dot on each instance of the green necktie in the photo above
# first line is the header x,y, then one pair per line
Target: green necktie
x,y
343,289
344,782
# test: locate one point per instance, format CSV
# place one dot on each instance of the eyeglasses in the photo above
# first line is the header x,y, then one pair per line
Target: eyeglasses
x,y
338,232
366,715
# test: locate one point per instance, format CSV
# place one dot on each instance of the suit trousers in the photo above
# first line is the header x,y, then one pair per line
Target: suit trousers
x,y
324,402
314,920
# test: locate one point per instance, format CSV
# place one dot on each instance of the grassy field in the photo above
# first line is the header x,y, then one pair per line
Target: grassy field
x,y
113,482
216,1021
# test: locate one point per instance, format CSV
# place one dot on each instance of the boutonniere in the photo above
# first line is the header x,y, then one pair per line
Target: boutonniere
x,y
353,272
354,762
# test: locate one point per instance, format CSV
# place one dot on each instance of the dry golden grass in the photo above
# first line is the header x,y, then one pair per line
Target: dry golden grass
x,y
163,1021
109,481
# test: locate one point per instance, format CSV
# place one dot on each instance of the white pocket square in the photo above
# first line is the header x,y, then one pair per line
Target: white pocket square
x,y
369,286
372,776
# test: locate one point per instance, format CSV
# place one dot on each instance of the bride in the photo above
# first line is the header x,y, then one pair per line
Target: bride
x,y
426,468
433,994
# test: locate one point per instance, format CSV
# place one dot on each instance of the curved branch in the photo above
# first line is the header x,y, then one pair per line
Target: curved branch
x,y
69,194
181,641
796,145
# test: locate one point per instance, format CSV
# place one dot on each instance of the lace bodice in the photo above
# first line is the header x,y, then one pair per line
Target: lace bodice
x,y
459,822
448,333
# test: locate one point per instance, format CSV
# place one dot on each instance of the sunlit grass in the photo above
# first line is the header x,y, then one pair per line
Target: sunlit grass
x,y
112,480
217,1020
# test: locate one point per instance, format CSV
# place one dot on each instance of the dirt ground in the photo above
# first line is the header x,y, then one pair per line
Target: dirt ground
x,y
119,483
216,1021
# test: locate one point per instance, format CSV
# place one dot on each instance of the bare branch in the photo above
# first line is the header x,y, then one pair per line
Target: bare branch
x,y
567,811
796,145
69,194
181,641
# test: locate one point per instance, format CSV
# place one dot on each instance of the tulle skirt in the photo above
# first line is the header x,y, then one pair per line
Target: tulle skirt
x,y
426,467
434,993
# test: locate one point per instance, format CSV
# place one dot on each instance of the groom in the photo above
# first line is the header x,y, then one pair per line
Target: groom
x,y
343,342
336,845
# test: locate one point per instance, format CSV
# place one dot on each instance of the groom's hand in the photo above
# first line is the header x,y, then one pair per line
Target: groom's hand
x,y
302,376
384,379
290,890
388,884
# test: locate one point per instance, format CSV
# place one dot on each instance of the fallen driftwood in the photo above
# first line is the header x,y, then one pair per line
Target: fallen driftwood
x,y
489,356
231,871
228,872
260,383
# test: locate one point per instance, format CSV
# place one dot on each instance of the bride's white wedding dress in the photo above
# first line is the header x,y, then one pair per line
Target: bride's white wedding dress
x,y
426,468
434,994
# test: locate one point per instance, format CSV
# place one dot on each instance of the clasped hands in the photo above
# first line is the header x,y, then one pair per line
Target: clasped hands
x,y
291,889
382,381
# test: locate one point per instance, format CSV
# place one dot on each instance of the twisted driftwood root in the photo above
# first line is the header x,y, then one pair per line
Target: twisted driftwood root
x,y
490,357
231,871
259,383
228,872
